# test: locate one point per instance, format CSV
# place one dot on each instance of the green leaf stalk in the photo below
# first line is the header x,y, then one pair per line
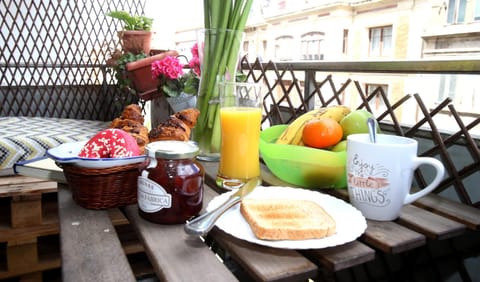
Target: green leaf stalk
x,y
224,22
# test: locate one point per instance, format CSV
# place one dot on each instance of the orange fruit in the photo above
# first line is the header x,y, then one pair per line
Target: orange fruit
x,y
322,133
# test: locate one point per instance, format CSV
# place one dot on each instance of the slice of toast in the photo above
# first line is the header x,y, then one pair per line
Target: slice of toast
x,y
284,219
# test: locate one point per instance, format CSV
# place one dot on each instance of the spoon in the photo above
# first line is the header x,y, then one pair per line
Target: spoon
x,y
372,129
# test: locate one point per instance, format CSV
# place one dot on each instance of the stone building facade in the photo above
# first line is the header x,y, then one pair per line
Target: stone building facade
x,y
353,30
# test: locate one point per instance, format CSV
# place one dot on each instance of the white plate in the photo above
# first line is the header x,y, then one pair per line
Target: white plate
x,y
68,153
350,221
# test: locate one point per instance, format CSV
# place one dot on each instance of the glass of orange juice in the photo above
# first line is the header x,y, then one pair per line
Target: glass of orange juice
x,y
240,122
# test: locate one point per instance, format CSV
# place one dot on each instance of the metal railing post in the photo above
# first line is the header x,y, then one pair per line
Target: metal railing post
x,y
309,88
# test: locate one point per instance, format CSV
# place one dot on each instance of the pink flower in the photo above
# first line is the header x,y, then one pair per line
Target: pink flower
x,y
172,81
170,67
194,63
194,50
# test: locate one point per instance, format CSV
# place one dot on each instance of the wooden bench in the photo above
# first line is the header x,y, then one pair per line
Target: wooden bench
x,y
28,215
30,227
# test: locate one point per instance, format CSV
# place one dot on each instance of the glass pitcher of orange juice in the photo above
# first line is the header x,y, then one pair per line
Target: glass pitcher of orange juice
x,y
240,122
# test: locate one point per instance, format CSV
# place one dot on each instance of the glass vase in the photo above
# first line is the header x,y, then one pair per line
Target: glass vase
x,y
182,102
219,53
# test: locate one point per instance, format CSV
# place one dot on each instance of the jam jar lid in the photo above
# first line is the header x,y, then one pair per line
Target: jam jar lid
x,y
170,149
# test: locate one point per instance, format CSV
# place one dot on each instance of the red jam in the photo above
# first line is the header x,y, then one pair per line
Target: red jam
x,y
170,189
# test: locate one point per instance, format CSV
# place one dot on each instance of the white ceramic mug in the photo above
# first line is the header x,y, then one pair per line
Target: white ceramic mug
x,y
379,175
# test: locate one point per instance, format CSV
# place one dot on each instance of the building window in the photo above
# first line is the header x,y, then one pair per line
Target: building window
x,y
245,47
462,92
448,84
311,46
264,49
456,11
380,40
378,103
476,15
345,41
283,48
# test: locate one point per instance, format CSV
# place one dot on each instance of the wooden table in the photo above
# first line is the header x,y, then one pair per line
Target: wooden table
x,y
91,250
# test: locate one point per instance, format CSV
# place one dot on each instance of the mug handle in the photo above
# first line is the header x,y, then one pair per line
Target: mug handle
x,y
440,169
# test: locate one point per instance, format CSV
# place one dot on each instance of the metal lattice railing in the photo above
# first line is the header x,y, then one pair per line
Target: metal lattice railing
x,y
53,58
458,149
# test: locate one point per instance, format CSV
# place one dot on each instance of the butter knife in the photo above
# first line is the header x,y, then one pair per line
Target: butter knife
x,y
202,224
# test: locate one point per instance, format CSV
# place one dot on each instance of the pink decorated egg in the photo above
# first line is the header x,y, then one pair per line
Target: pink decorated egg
x,y
110,143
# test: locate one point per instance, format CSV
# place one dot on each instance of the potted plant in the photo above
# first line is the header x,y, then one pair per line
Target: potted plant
x,y
119,63
136,35
134,73
139,74
179,87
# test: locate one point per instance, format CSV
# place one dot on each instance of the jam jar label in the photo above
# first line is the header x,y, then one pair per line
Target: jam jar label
x,y
151,196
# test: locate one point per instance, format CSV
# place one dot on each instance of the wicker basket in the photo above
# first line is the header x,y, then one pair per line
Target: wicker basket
x,y
103,188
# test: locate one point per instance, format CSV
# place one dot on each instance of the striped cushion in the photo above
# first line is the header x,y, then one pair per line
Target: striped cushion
x,y
25,138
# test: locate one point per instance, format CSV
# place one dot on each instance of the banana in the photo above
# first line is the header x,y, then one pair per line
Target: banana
x,y
289,134
293,133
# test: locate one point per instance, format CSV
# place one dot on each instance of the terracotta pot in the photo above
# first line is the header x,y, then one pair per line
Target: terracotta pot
x,y
135,41
140,73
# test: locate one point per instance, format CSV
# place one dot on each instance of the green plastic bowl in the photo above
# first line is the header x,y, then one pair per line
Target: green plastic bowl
x,y
302,166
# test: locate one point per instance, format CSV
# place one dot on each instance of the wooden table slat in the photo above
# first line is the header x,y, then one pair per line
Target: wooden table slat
x,y
431,225
462,213
391,237
343,256
175,255
21,186
117,217
91,250
18,179
264,263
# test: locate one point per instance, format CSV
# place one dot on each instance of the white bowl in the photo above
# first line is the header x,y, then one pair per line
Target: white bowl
x,y
68,153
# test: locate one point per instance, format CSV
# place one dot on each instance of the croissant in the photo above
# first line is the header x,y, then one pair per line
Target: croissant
x,y
176,127
188,116
133,112
131,121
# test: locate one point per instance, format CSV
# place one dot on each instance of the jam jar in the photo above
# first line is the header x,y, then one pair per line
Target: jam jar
x,y
170,187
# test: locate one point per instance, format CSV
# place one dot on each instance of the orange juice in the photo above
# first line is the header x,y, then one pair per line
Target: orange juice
x,y
240,127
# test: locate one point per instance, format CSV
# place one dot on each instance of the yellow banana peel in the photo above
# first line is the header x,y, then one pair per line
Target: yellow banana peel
x,y
293,133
